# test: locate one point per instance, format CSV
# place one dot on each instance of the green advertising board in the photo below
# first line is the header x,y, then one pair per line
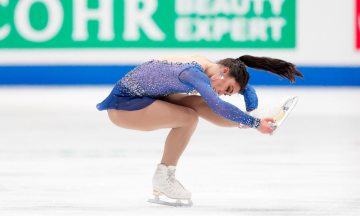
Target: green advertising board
x,y
147,23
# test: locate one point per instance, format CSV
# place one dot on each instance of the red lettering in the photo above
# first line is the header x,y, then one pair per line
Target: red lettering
x,y
357,21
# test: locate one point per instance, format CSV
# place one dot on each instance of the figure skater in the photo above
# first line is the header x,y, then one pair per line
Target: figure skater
x,y
151,97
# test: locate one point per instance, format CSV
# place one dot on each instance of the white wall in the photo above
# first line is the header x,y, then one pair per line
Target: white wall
x,y
325,37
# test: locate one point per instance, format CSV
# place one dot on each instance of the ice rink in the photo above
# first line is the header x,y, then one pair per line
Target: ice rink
x,y
60,156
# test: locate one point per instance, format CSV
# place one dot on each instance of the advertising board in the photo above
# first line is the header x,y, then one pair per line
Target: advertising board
x,y
147,24
357,24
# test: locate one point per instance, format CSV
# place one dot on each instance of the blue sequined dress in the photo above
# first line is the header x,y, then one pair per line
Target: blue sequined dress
x,y
155,79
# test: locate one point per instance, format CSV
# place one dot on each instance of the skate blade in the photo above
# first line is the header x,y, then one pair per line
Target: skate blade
x,y
178,203
287,108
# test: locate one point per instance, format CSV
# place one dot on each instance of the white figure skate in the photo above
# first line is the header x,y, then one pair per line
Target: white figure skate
x,y
165,183
278,111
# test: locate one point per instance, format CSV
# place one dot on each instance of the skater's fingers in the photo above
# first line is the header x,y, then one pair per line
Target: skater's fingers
x,y
265,127
268,130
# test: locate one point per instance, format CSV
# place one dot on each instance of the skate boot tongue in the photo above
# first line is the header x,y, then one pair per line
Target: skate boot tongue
x,y
172,167
171,176
169,172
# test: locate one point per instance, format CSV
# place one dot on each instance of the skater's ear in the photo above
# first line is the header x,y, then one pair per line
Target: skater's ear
x,y
226,70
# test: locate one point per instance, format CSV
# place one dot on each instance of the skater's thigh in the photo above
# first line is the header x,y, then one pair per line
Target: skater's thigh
x,y
158,115
191,101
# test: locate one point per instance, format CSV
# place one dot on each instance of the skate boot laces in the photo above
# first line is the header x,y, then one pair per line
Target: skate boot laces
x,y
173,180
171,175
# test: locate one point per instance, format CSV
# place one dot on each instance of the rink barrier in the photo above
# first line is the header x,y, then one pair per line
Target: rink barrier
x,y
109,75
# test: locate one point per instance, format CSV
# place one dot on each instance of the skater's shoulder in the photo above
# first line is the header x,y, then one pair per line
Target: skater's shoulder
x,y
194,74
187,59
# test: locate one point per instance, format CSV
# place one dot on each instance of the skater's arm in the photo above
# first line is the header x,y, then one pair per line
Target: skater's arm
x,y
250,97
201,82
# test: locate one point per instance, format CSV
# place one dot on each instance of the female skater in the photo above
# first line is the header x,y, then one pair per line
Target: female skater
x,y
151,97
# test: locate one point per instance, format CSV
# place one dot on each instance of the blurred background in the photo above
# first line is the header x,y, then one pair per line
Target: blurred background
x,y
59,58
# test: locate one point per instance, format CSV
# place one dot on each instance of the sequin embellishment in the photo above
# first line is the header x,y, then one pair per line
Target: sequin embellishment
x,y
250,97
158,79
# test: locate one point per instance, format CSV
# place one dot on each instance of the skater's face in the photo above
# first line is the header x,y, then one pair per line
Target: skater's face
x,y
225,86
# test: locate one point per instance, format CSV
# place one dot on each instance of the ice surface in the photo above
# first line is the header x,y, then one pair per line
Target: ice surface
x,y
60,156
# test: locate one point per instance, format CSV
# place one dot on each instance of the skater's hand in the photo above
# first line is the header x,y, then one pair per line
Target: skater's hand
x,y
264,127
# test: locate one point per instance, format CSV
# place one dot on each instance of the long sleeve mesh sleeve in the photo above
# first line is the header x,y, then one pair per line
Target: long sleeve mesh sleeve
x,y
201,82
250,97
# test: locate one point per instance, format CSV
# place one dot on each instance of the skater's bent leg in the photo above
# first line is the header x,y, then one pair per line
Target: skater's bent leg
x,y
200,106
158,115
178,139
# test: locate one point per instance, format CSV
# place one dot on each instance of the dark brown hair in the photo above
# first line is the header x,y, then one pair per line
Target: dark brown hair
x,y
275,66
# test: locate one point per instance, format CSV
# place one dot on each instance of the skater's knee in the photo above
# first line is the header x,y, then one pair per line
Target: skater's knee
x,y
192,117
196,102
201,103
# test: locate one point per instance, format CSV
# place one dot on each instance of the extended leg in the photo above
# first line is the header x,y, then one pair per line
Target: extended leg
x,y
200,106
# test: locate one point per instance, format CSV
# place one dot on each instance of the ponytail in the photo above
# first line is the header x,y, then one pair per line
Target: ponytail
x,y
275,66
